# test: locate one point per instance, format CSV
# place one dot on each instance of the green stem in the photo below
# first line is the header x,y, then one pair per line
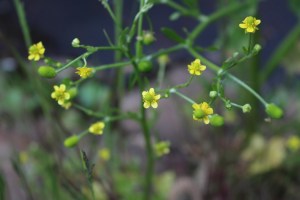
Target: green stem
x,y
164,51
182,96
250,43
22,19
146,132
281,51
215,16
72,62
89,112
110,66
244,85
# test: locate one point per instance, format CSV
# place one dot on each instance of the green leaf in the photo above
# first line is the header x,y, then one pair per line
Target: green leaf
x,y
172,35
295,7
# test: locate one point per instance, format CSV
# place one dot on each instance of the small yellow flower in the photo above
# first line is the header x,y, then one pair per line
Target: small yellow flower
x,y
195,68
84,72
162,148
293,143
60,94
150,98
97,128
104,154
23,157
250,24
36,51
201,112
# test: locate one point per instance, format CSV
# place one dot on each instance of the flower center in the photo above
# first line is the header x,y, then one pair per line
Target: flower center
x,y
149,97
199,113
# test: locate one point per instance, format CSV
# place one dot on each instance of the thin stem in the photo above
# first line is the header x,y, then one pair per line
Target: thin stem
x,y
244,85
164,51
215,16
72,62
89,112
113,65
182,96
250,43
22,19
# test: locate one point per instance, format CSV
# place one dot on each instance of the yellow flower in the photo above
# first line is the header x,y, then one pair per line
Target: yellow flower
x,y
36,51
195,68
60,94
293,143
84,72
97,128
23,157
150,98
250,24
104,154
162,148
201,112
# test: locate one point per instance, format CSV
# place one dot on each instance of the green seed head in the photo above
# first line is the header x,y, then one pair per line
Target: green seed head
x,y
47,72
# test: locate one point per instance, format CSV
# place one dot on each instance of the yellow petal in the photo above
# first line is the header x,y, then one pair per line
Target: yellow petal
x,y
206,120
196,106
202,67
154,104
146,104
242,25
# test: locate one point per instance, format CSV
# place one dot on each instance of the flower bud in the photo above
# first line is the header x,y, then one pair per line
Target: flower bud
x,y
213,94
148,37
163,59
273,111
75,42
47,72
246,108
256,48
145,66
71,141
216,120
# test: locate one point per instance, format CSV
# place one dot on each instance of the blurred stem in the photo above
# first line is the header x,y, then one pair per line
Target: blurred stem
x,y
113,65
22,19
250,43
149,150
36,84
215,16
272,63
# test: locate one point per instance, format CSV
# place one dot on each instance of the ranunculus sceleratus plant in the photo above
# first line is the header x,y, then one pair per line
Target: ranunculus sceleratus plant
x,y
129,55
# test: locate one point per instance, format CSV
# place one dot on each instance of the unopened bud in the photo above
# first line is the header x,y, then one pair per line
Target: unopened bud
x,y
148,37
75,42
71,141
47,72
163,59
213,94
274,111
246,108
145,66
